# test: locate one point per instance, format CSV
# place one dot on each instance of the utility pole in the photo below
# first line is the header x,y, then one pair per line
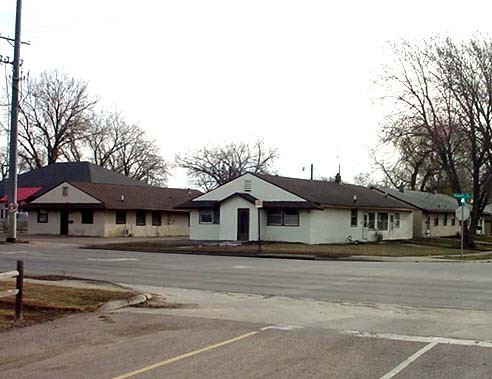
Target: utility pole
x,y
14,118
312,171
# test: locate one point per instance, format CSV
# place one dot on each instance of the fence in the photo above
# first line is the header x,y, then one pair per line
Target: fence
x,y
19,285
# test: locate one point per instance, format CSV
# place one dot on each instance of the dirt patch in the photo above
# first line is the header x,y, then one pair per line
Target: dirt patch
x,y
47,302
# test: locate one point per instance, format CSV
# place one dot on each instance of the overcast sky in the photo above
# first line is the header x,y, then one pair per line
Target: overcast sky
x,y
298,74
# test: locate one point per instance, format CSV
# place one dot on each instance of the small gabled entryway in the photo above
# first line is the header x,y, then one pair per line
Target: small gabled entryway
x,y
243,224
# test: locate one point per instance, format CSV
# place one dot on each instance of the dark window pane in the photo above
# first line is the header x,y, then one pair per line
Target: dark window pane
x,y
87,216
156,218
206,216
353,217
274,217
121,217
42,216
140,218
382,221
371,220
291,217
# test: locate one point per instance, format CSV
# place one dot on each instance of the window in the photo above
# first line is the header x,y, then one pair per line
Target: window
x,y
87,216
209,216
291,217
436,220
285,217
42,216
140,218
156,218
382,221
274,217
453,221
396,221
445,219
64,191
372,218
353,217
428,221
121,217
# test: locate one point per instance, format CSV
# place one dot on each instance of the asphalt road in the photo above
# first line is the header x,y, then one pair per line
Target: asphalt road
x,y
433,285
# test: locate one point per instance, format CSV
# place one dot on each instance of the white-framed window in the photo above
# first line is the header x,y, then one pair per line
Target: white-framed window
x,y
291,217
372,220
382,221
445,223
282,217
209,216
396,221
436,220
42,216
353,217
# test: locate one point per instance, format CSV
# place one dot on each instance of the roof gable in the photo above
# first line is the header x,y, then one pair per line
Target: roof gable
x,y
65,193
258,188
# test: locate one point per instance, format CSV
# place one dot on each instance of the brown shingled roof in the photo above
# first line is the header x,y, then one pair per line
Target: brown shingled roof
x,y
118,196
334,194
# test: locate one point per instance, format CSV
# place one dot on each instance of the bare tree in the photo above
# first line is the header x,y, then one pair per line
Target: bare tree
x,y
53,118
442,93
210,167
124,148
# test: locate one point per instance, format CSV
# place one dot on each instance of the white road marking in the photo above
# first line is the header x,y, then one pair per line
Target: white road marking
x,y
282,327
241,266
403,337
19,252
408,361
112,259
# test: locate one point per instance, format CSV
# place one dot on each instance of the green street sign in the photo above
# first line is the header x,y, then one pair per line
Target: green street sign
x,y
462,195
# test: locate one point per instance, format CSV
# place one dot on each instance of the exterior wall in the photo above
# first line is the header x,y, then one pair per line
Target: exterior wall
x,y
76,228
51,227
228,219
431,230
334,226
259,189
74,195
172,224
301,233
203,231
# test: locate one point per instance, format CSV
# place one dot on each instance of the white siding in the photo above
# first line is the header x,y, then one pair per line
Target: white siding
x,y
202,231
74,195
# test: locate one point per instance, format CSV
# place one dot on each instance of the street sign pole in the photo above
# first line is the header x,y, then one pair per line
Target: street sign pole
x,y
462,224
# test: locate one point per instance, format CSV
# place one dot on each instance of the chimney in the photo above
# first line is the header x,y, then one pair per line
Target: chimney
x,y
338,178
401,188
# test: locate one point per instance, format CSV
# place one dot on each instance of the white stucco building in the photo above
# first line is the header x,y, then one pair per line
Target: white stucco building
x,y
434,214
109,210
296,210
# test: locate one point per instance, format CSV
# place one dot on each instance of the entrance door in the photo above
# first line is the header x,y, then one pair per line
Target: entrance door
x,y
243,224
64,221
365,219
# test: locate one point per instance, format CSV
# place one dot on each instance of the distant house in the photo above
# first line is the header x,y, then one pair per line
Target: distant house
x,y
296,210
109,210
434,212
81,198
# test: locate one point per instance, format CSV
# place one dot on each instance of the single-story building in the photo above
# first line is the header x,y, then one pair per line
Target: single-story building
x,y
276,208
434,214
108,210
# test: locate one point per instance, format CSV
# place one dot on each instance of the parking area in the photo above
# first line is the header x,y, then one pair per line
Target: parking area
x,y
139,345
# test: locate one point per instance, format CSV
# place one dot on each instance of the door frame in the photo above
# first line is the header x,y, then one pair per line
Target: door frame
x,y
242,236
365,226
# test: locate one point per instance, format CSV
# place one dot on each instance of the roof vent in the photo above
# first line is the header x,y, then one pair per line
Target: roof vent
x,y
122,198
247,185
355,198
338,178
401,188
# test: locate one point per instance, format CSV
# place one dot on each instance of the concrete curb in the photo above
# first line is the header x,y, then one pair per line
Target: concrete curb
x,y
118,304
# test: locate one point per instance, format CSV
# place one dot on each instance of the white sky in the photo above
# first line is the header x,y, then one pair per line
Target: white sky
x,y
298,74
